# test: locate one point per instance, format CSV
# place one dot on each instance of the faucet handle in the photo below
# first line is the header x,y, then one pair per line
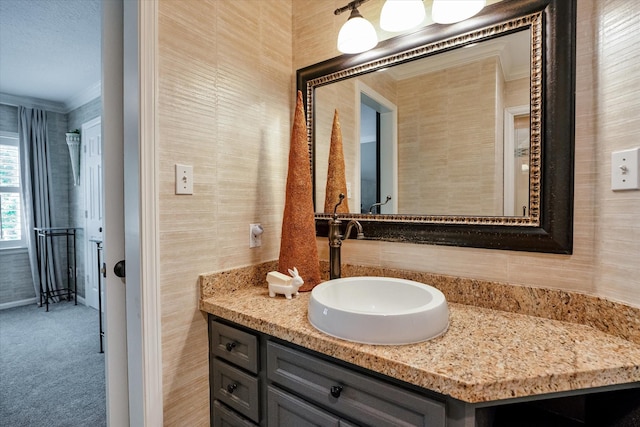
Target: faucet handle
x,y
335,209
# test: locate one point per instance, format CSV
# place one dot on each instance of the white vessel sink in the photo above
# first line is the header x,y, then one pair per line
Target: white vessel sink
x,y
378,310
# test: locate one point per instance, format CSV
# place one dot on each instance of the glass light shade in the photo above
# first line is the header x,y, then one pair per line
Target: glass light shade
x,y
401,15
357,34
450,11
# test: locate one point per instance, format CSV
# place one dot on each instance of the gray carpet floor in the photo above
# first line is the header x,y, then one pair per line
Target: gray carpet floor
x,y
51,369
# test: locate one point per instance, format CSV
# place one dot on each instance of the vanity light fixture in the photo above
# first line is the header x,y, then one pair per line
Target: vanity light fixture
x,y
357,34
401,15
450,11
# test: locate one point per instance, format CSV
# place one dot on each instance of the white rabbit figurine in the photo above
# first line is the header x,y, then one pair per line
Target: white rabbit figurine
x,y
282,284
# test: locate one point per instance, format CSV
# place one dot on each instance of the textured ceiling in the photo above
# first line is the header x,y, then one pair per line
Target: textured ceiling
x,y
49,49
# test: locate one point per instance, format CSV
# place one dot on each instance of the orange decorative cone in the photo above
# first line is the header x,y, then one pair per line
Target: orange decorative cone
x,y
336,178
298,243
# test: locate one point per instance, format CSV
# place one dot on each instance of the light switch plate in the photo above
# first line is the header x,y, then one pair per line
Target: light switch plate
x,y
184,179
624,169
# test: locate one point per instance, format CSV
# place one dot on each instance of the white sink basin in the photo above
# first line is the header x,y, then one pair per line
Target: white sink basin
x,y
378,310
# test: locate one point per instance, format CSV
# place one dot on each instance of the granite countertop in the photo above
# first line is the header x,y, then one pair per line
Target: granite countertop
x,y
485,355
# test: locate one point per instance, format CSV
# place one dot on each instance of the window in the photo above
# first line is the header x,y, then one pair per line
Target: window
x,y
12,234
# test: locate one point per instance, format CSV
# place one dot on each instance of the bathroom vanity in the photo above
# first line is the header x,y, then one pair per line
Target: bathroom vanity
x,y
270,367
288,385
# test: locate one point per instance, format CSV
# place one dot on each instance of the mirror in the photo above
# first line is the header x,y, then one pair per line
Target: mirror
x,y
430,136
507,181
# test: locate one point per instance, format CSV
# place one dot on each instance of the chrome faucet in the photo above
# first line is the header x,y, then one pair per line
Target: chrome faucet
x,y
335,240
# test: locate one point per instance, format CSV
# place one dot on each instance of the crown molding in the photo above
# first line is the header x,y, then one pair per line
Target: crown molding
x,y
89,94
30,102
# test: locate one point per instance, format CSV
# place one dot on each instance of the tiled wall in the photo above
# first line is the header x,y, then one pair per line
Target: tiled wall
x,y
225,103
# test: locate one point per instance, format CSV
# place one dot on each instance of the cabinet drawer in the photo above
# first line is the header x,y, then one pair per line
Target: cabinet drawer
x,y
351,394
225,417
237,389
234,345
285,410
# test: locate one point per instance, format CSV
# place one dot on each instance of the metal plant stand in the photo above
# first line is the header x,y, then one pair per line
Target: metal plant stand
x,y
45,237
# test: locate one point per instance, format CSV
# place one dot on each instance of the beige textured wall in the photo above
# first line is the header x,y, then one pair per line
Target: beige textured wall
x,y
447,141
606,223
225,98
225,102
342,96
516,92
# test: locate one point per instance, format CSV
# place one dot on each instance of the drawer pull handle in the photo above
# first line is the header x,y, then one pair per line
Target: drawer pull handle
x,y
231,387
336,390
230,346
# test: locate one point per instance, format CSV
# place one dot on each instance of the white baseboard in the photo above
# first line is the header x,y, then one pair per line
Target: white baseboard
x,y
33,300
12,304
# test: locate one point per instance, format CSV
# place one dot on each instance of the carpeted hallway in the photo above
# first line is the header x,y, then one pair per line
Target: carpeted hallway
x,y
51,370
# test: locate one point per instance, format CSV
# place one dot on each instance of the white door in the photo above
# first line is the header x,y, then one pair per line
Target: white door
x,y
116,366
93,205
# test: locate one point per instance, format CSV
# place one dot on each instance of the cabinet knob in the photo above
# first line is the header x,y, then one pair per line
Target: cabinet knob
x,y
230,346
231,387
336,390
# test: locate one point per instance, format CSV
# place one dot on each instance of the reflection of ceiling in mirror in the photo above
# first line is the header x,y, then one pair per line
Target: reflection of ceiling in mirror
x,y
512,50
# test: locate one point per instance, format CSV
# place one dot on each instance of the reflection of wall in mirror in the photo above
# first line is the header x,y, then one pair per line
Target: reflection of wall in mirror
x,y
342,96
449,161
327,100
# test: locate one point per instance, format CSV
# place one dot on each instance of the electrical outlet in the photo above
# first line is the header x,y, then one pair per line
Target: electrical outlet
x,y
255,235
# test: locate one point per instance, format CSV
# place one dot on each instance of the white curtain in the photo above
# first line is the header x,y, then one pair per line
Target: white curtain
x,y
36,188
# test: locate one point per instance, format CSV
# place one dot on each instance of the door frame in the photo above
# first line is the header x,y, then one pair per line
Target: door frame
x,y
142,236
508,188
388,144
129,139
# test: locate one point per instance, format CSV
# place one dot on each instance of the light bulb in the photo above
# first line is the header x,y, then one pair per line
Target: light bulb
x,y
401,15
357,34
450,11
